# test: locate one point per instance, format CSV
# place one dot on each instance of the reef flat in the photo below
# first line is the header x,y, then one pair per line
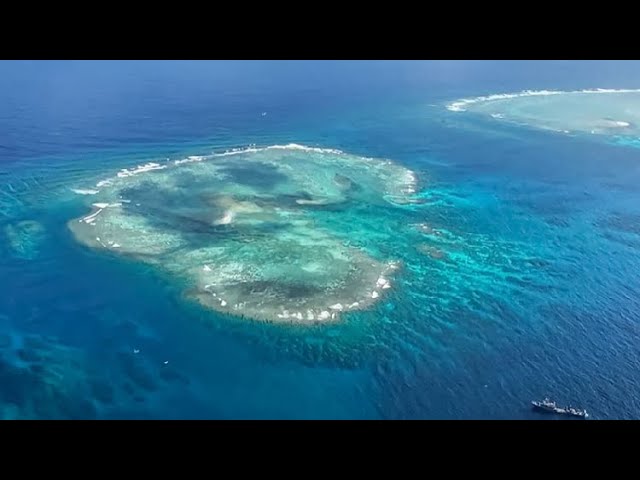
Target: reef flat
x,y
242,229
599,111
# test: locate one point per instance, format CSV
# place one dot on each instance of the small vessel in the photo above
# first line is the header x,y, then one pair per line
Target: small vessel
x,y
547,406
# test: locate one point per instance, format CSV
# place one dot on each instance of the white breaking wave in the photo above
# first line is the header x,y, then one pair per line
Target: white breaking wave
x,y
199,158
125,172
106,205
84,191
410,178
460,105
238,151
191,159
289,146
129,172
295,146
91,218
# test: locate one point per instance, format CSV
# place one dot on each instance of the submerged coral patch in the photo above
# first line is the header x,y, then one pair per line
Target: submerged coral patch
x,y
24,238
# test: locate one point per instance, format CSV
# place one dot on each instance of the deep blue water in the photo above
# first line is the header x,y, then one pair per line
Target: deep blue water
x,y
540,296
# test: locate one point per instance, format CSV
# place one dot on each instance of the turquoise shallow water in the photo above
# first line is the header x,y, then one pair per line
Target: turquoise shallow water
x,y
519,257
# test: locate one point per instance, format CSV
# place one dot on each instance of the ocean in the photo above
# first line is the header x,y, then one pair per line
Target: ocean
x,y
516,242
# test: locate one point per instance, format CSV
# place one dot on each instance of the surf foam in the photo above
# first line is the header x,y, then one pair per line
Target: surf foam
x,y
84,191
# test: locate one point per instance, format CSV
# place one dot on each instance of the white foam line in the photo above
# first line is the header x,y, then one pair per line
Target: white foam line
x,y
105,205
410,179
295,146
234,151
289,146
238,151
128,172
191,159
460,105
89,218
84,191
125,172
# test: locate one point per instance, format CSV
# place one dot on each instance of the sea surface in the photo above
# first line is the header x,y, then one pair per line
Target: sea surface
x,y
518,250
